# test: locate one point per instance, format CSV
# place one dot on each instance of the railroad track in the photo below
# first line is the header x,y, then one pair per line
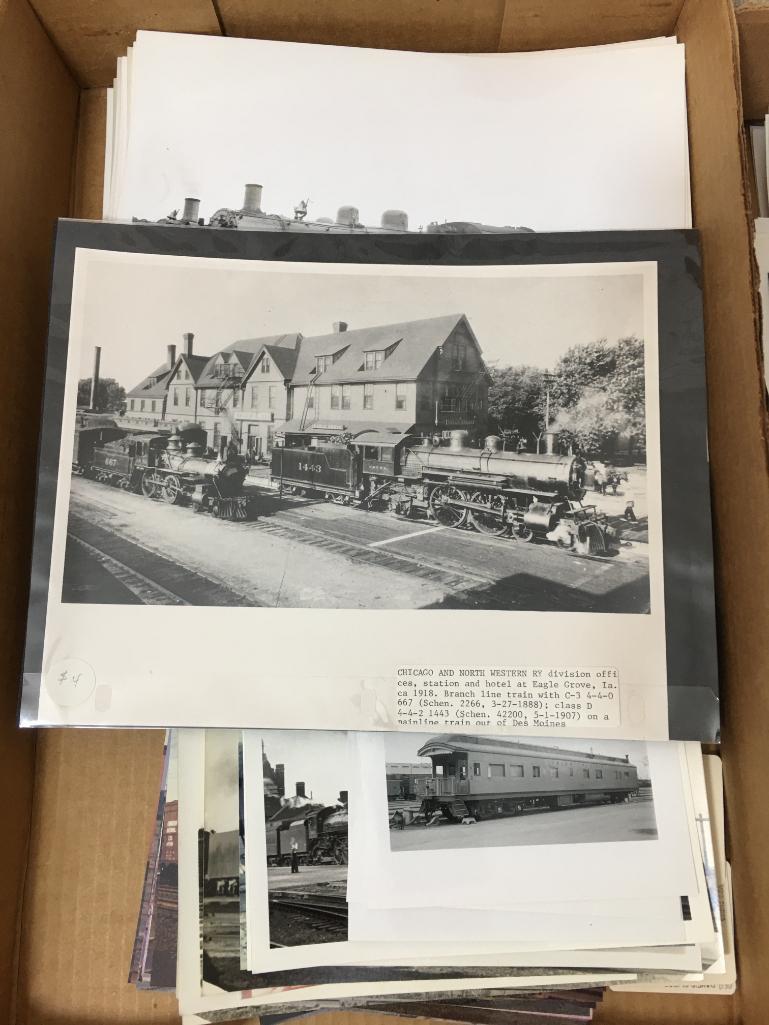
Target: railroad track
x,y
328,907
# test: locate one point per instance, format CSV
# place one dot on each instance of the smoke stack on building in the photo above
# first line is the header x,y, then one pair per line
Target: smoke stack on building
x,y
280,779
300,790
188,337
343,795
191,210
252,199
339,326
171,355
95,376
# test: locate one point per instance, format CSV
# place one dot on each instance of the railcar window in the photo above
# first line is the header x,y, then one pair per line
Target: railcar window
x,y
617,774
571,770
370,452
516,771
627,775
599,773
586,773
463,770
554,771
476,768
496,769
535,771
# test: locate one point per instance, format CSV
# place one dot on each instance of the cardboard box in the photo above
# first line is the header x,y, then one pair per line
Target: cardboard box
x,y
78,805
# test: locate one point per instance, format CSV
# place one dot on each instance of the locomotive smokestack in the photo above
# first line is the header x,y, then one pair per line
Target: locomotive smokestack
x,y
339,326
343,795
188,337
171,355
252,199
95,376
191,209
280,779
300,790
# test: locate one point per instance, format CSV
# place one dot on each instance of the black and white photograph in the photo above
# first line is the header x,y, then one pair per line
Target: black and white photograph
x,y
451,791
313,437
306,779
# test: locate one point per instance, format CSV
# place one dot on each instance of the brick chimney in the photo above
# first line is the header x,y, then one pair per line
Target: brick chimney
x,y
343,795
171,355
339,326
95,376
300,790
188,337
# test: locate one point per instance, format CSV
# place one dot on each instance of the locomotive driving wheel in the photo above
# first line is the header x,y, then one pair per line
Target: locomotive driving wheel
x,y
493,521
441,499
152,484
172,489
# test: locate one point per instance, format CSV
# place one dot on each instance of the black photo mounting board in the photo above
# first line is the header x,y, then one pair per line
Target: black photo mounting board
x,y
687,535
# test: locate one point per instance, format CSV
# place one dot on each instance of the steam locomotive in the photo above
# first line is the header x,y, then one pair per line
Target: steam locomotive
x,y
170,468
320,834
523,496
485,777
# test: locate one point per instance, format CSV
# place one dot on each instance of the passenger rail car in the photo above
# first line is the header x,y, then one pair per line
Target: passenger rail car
x,y
170,468
484,778
523,496
320,836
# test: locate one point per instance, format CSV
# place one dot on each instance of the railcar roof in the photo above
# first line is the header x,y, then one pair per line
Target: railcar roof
x,y
484,745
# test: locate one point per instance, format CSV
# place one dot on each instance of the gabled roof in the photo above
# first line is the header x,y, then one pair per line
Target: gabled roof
x,y
283,358
195,364
254,345
153,386
244,351
412,344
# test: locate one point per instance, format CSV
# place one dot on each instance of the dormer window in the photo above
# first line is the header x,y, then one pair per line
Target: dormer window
x,y
266,365
323,363
373,359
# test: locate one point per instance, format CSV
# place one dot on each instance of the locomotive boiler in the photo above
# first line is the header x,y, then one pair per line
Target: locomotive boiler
x,y
171,468
523,496
319,833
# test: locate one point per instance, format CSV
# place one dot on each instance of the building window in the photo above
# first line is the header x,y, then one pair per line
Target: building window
x,y
368,396
458,355
345,396
571,770
535,771
322,363
153,406
132,404
266,365
187,396
335,394
496,769
476,768
141,407
373,359
253,396
271,397
617,774
400,396
311,400
586,773
176,396
516,771
235,399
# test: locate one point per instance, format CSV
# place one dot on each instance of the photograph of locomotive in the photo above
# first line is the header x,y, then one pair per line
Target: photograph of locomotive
x,y
520,496
513,791
171,466
306,836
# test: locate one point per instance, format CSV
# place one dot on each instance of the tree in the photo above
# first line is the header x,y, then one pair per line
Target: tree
x,y
110,396
517,401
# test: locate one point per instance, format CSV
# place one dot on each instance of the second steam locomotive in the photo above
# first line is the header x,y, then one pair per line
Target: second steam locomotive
x,y
518,495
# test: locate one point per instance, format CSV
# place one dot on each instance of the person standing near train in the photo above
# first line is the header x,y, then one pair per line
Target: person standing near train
x,y
294,858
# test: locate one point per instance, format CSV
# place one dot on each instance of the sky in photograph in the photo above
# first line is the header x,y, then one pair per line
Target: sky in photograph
x,y
403,747
317,758
135,309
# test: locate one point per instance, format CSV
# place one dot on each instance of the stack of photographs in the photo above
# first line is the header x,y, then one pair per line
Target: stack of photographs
x,y
370,883
408,525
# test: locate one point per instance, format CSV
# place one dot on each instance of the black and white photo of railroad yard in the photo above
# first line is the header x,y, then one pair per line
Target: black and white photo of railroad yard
x,y
306,814
451,791
303,439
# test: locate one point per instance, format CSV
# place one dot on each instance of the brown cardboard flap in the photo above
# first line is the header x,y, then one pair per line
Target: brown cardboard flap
x,y
92,34
38,106
532,25
396,24
753,25
92,820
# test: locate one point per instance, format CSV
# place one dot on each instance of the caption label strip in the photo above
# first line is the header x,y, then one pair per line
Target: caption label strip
x,y
505,697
